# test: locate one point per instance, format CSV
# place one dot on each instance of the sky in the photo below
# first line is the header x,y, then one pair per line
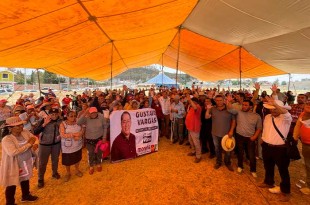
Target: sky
x,y
294,77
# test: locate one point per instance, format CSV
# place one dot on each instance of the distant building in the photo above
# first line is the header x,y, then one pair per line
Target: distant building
x,y
6,79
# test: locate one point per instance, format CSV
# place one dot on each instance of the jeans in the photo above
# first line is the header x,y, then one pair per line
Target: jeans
x,y
218,151
276,155
165,126
206,139
250,146
44,153
178,129
93,158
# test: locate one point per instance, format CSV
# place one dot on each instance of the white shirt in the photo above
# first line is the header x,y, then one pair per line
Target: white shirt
x,y
165,105
270,135
30,122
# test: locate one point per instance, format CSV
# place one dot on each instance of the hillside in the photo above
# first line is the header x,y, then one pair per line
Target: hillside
x,y
142,75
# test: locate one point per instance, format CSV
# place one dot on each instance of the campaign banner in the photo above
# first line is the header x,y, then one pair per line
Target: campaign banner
x,y
133,133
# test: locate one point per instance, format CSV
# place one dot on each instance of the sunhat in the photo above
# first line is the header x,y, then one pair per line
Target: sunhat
x,y
45,104
280,103
228,144
14,121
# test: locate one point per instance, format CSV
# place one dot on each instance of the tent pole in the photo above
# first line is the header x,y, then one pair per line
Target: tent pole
x,y
178,56
289,82
112,64
38,74
240,66
162,70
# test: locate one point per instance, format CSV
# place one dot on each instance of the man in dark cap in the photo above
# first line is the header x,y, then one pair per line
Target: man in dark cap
x,y
49,144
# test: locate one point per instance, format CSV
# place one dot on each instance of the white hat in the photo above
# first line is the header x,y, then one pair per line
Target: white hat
x,y
228,144
280,103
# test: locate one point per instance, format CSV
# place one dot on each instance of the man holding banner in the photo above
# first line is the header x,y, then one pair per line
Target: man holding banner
x,y
124,145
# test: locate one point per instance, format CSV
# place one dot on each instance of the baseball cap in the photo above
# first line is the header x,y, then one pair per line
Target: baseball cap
x,y
30,107
53,110
195,99
3,101
93,110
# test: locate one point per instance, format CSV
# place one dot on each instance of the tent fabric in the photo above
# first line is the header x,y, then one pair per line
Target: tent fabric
x,y
208,39
161,79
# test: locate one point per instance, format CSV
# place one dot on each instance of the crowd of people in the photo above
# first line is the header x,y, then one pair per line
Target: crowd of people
x,y
202,118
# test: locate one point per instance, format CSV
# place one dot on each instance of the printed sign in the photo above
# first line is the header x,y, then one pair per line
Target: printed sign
x,y
133,133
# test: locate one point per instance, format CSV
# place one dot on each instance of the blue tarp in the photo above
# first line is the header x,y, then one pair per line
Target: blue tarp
x,y
160,79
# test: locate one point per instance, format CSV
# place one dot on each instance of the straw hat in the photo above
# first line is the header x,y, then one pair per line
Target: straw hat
x,y
14,121
280,103
228,144
45,104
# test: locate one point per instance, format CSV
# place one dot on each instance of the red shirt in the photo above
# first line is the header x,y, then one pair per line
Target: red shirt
x,y
193,120
159,111
123,148
66,101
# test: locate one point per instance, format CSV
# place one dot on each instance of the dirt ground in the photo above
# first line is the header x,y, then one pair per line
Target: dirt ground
x,y
168,176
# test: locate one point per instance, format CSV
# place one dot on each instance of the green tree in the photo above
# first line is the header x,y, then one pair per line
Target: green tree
x,y
19,77
276,82
91,82
254,80
33,78
50,78
283,83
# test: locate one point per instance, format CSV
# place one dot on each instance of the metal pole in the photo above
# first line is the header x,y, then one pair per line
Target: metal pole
x,y
38,74
289,82
162,70
178,56
240,66
112,65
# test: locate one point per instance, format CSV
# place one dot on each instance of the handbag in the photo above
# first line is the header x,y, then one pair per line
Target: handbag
x,y
291,144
